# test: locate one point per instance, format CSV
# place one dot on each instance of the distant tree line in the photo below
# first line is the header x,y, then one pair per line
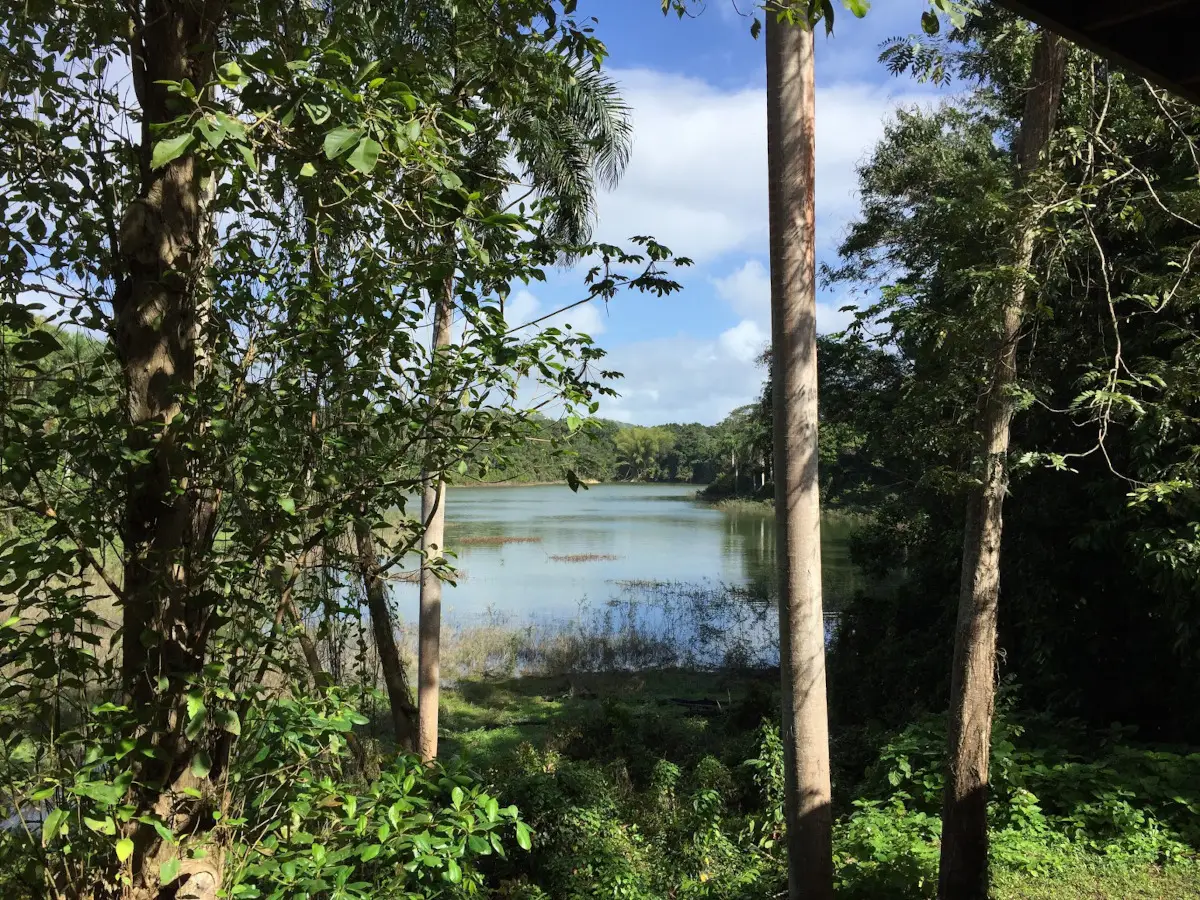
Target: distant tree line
x,y
731,456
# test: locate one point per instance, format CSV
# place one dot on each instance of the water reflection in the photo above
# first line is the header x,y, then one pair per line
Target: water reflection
x,y
539,553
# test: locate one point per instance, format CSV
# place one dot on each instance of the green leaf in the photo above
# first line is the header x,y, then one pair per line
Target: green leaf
x,y
169,149
53,824
340,140
213,131
370,852
453,872
248,156
318,112
124,849
195,726
365,155
38,345
308,170
929,22
159,827
523,836
456,797
288,505
168,871
100,791
228,720
201,764
195,703
101,826
858,7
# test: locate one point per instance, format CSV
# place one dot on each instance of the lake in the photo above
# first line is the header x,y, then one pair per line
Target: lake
x,y
541,553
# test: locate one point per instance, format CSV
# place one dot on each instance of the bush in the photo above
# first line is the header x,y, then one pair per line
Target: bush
x,y
1051,807
303,820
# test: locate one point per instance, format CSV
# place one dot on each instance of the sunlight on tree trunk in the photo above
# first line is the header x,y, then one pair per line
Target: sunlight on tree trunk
x,y
433,514
964,853
791,156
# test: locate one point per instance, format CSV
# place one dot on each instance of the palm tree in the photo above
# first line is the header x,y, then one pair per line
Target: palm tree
x,y
790,161
568,138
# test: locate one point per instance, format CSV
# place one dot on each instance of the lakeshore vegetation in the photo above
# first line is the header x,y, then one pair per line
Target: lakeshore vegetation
x,y
234,235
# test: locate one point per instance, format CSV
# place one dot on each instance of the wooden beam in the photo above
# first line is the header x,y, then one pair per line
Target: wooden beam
x,y
1062,16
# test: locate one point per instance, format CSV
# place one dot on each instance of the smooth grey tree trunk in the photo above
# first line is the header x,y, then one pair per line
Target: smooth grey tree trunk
x,y
791,112
399,699
433,514
964,854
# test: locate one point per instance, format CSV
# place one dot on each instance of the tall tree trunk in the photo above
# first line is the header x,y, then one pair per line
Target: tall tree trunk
x,y
158,310
399,699
791,155
433,514
964,854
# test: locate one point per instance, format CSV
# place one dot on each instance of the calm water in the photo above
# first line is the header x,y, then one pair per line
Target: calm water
x,y
656,533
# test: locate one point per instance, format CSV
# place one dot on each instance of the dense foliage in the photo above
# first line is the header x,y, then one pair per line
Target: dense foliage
x,y
1097,615
223,227
633,799
603,450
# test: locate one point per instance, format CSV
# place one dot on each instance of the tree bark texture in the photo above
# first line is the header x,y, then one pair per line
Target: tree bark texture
x,y
169,512
404,714
964,852
791,114
433,514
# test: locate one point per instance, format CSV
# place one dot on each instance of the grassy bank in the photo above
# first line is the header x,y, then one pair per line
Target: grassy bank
x,y
666,783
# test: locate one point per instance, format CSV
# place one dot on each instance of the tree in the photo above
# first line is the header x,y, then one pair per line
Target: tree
x,y
936,240
964,860
791,156
253,231
641,452
566,136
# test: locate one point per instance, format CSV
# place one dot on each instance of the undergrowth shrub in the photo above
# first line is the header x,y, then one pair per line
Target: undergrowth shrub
x,y
304,818
634,803
684,831
1052,806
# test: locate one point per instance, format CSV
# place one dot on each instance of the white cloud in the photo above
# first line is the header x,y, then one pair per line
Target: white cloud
x,y
697,179
684,379
747,290
743,342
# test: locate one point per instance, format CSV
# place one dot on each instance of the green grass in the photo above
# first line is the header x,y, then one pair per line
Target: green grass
x,y
1103,882
487,720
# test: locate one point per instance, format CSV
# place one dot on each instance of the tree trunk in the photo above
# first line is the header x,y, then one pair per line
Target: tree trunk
x,y
433,514
399,698
791,156
964,853
167,524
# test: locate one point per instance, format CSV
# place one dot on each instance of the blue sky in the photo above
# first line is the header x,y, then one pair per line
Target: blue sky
x,y
697,182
